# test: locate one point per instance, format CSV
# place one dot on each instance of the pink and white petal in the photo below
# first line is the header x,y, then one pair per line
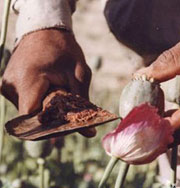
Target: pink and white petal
x,y
151,148
124,142
141,113
140,137
108,142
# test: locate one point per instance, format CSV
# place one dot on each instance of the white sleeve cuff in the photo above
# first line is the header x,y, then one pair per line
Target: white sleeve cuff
x,y
36,15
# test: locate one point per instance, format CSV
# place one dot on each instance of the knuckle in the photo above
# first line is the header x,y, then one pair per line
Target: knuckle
x,y
88,72
7,79
169,56
86,78
4,88
84,73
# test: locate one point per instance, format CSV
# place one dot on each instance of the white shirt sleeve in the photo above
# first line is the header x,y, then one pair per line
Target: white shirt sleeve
x,y
34,15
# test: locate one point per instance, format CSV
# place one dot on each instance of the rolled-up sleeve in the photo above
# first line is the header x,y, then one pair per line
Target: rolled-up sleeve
x,y
16,4
34,15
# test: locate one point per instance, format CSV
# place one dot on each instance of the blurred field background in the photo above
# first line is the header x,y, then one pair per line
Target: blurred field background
x,y
77,162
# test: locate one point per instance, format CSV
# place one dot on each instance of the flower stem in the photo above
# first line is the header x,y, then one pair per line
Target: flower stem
x,y
4,27
108,170
2,120
122,175
2,44
41,163
173,164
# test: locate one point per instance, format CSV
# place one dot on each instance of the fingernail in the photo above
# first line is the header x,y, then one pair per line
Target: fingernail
x,y
144,77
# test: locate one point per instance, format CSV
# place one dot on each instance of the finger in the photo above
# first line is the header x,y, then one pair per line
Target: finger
x,y
176,141
174,119
78,86
88,132
173,116
79,82
166,67
31,95
169,113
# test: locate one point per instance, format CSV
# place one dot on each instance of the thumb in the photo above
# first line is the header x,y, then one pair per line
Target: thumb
x,y
31,96
79,82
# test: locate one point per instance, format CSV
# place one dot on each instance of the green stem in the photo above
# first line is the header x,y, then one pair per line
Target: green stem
x,y
108,170
122,175
2,120
173,164
4,27
2,44
41,163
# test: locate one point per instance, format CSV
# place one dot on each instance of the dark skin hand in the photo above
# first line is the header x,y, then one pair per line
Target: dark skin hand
x,y
166,67
43,60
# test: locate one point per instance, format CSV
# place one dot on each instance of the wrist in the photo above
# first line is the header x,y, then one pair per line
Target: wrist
x,y
37,15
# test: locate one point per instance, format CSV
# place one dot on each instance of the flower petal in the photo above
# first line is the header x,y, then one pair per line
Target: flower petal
x,y
140,113
140,137
107,142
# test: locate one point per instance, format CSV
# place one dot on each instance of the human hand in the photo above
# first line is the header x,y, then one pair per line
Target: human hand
x,y
166,67
43,60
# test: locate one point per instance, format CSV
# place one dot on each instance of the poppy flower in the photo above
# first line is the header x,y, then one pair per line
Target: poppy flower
x,y
140,137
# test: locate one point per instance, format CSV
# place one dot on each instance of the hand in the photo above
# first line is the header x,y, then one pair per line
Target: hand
x,y
173,116
42,60
166,67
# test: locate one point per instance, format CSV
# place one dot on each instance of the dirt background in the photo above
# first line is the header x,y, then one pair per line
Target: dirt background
x,y
92,33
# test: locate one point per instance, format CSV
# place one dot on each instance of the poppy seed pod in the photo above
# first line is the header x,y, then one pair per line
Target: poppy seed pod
x,y
140,137
138,92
